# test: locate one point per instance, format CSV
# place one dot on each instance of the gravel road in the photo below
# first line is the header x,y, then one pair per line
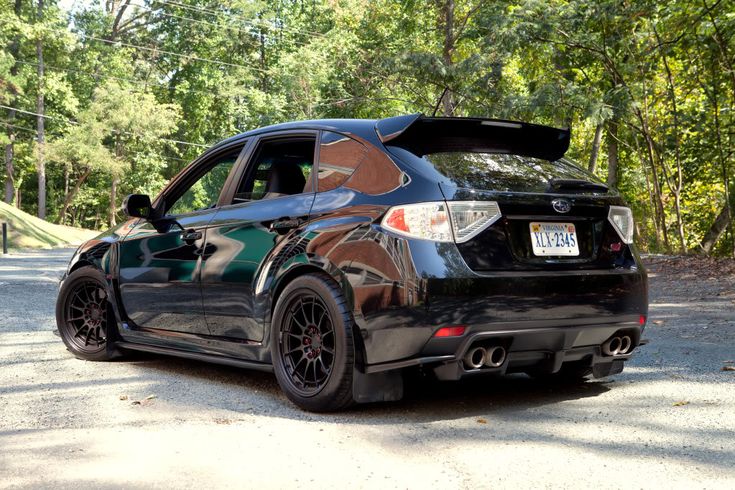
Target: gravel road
x,y
147,421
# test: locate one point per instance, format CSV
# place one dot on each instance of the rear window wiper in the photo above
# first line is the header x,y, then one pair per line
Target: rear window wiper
x,y
575,185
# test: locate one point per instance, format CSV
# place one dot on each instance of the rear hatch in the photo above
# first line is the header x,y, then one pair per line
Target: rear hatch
x,y
553,214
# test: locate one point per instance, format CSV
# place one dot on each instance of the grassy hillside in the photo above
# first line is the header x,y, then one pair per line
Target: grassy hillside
x,y
26,231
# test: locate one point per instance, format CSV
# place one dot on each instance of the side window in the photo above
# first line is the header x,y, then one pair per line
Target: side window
x,y
204,192
279,167
339,156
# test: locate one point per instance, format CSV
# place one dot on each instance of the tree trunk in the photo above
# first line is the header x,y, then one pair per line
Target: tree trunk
x,y
596,141
652,159
679,178
727,59
715,231
9,171
40,120
659,205
612,153
115,183
118,18
113,201
448,21
13,50
71,195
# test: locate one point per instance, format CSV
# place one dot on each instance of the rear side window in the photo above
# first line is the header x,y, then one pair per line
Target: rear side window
x,y
280,167
500,172
339,157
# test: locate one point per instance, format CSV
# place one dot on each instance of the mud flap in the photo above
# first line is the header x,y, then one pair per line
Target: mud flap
x,y
385,386
600,370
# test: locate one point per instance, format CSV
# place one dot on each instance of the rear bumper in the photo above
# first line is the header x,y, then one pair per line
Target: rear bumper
x,y
540,313
546,312
530,346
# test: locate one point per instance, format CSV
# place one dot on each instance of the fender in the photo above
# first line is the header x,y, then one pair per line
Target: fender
x,y
272,278
101,253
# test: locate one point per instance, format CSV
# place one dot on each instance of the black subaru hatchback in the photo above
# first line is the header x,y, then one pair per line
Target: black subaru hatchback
x,y
337,253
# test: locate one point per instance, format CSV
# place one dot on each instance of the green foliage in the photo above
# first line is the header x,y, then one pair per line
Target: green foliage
x,y
132,97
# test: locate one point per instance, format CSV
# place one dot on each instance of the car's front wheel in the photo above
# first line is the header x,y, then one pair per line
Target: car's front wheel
x,y
312,344
82,314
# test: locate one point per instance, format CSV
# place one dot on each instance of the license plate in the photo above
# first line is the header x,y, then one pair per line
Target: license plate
x,y
554,239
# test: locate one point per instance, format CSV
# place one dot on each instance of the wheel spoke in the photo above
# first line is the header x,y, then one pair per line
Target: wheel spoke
x,y
323,368
296,349
86,294
78,301
307,343
316,378
302,327
80,331
321,319
86,316
296,366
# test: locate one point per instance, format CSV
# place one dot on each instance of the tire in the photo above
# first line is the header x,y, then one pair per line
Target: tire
x,y
84,315
313,364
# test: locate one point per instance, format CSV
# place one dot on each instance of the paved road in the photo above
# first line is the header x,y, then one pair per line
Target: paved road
x,y
66,423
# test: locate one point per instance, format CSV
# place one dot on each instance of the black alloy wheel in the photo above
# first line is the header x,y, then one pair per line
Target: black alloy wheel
x,y
312,344
82,314
307,343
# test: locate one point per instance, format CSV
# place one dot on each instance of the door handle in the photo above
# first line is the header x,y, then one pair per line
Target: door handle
x,y
286,223
190,236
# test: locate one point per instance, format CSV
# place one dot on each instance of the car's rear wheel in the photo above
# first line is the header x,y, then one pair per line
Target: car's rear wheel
x,y
83,314
312,344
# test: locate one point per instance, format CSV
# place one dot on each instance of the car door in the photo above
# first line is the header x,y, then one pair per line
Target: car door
x,y
270,204
160,260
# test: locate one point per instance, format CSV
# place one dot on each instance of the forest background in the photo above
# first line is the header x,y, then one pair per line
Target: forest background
x,y
99,99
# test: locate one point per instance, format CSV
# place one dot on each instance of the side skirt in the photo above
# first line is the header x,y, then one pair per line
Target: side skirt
x,y
227,361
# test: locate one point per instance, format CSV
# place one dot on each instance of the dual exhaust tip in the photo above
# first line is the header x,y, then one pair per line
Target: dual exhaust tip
x,y
617,346
494,357
477,357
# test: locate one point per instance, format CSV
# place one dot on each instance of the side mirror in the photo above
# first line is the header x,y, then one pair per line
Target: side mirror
x,y
138,206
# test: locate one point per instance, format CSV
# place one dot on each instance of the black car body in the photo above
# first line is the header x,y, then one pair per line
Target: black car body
x,y
446,243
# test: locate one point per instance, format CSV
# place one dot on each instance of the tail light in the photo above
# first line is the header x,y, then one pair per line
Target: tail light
x,y
453,331
457,221
622,220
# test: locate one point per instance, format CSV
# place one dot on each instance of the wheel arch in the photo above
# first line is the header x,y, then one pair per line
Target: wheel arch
x,y
332,273
82,263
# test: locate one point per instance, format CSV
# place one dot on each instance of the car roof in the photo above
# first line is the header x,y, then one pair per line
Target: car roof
x,y
365,128
523,138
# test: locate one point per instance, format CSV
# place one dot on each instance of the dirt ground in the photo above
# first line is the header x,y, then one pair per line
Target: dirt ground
x,y
152,421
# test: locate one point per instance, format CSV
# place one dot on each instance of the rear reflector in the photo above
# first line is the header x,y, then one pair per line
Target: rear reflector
x,y
454,331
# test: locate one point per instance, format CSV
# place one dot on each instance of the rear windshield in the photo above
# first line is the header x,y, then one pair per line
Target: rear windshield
x,y
498,171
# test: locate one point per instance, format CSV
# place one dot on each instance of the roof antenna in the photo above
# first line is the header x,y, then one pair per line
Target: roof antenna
x,y
438,102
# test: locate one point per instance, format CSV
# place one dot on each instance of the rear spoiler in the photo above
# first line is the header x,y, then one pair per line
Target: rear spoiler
x,y
423,135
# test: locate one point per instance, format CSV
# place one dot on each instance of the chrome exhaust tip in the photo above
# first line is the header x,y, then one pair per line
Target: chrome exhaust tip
x,y
495,356
475,358
625,344
612,347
